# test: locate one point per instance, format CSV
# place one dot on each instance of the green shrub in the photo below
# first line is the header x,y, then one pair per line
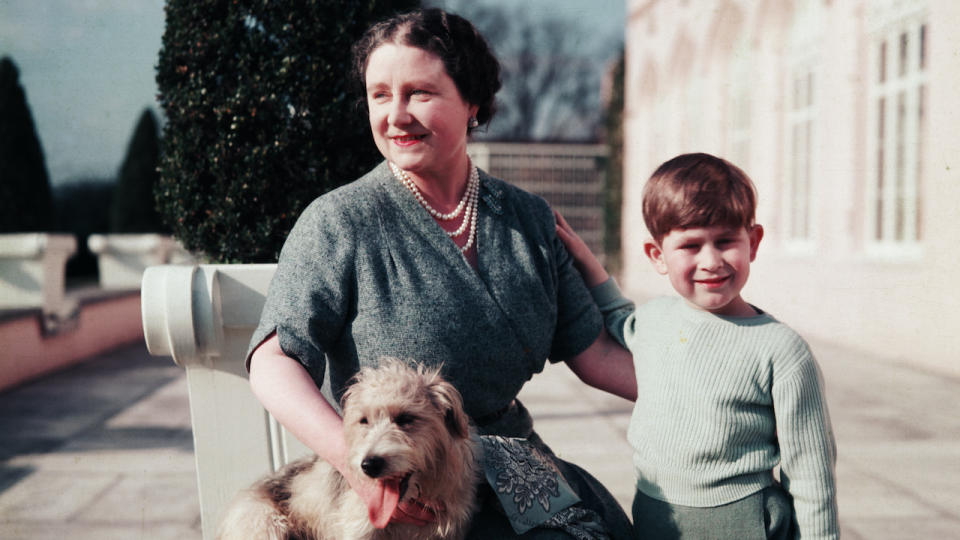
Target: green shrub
x,y
134,207
260,117
25,198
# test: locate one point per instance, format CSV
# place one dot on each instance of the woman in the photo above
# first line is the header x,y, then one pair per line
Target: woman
x,y
429,259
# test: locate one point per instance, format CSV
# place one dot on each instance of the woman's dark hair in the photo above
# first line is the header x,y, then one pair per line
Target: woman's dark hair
x,y
464,52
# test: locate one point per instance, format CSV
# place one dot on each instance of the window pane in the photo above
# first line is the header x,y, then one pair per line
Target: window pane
x,y
903,54
923,47
900,167
921,121
881,127
805,178
795,179
795,101
883,62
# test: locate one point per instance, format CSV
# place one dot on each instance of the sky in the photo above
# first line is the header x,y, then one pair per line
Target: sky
x,y
87,68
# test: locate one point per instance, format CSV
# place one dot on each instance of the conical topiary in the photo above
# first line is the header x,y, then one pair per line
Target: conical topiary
x,y
26,203
133,209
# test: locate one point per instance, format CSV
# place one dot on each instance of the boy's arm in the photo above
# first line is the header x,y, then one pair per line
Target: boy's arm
x,y
615,308
617,311
807,449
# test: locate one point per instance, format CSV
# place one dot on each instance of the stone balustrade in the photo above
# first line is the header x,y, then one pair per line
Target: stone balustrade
x,y
33,272
122,258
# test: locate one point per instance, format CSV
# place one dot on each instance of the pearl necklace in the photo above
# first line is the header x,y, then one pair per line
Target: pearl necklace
x,y
471,196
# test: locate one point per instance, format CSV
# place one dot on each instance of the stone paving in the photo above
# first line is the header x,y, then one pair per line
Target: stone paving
x,y
103,450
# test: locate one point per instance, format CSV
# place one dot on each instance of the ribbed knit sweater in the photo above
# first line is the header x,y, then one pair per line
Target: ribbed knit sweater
x,y
721,401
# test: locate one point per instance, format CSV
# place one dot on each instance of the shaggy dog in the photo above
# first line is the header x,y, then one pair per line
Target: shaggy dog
x,y
405,428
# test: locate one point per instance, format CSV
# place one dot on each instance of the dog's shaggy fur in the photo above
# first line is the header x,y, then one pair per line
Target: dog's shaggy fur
x,y
399,422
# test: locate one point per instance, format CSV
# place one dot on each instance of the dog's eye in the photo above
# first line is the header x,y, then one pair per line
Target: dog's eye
x,y
404,419
363,420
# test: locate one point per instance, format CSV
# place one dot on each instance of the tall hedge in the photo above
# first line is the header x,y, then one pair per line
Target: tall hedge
x,y
260,117
26,202
133,208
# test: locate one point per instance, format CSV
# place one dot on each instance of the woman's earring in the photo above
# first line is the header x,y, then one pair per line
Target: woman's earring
x,y
473,123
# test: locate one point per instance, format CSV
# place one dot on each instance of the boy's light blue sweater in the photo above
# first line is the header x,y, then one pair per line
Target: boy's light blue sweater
x,y
721,402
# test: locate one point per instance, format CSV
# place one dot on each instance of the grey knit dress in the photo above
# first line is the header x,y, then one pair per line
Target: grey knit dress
x,y
366,273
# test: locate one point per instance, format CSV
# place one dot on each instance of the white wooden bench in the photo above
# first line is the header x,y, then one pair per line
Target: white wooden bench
x,y
203,316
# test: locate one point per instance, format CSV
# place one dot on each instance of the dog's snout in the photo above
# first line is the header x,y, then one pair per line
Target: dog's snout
x,y
373,466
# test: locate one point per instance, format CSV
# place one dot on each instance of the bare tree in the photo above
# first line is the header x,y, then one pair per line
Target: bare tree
x,y
552,73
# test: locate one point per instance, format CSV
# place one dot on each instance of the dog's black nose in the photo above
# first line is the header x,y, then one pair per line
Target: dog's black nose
x,y
373,466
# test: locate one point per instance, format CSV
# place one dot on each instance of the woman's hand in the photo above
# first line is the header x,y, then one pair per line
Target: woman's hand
x,y
583,259
285,389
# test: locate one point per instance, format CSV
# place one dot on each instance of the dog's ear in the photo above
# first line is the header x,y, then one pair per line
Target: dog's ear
x,y
352,382
448,400
457,422
347,393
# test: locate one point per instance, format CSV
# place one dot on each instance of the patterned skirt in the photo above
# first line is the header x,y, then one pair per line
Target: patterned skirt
x,y
530,493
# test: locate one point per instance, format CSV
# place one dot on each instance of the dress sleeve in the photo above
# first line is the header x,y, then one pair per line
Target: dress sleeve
x,y
807,447
578,319
308,300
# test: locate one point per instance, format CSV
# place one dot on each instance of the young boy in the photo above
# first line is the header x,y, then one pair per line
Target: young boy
x,y
725,392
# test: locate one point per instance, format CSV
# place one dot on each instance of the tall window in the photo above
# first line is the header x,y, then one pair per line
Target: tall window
x,y
898,93
693,121
739,97
800,125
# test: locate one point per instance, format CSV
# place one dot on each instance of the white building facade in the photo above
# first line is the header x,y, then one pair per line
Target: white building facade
x,y
846,114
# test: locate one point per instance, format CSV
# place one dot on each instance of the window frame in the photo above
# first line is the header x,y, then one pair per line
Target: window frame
x,y
801,116
897,93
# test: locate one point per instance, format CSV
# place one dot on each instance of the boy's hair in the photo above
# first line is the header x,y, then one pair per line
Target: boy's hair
x,y
697,190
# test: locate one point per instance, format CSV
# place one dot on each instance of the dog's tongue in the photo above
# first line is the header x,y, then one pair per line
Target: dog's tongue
x,y
389,491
